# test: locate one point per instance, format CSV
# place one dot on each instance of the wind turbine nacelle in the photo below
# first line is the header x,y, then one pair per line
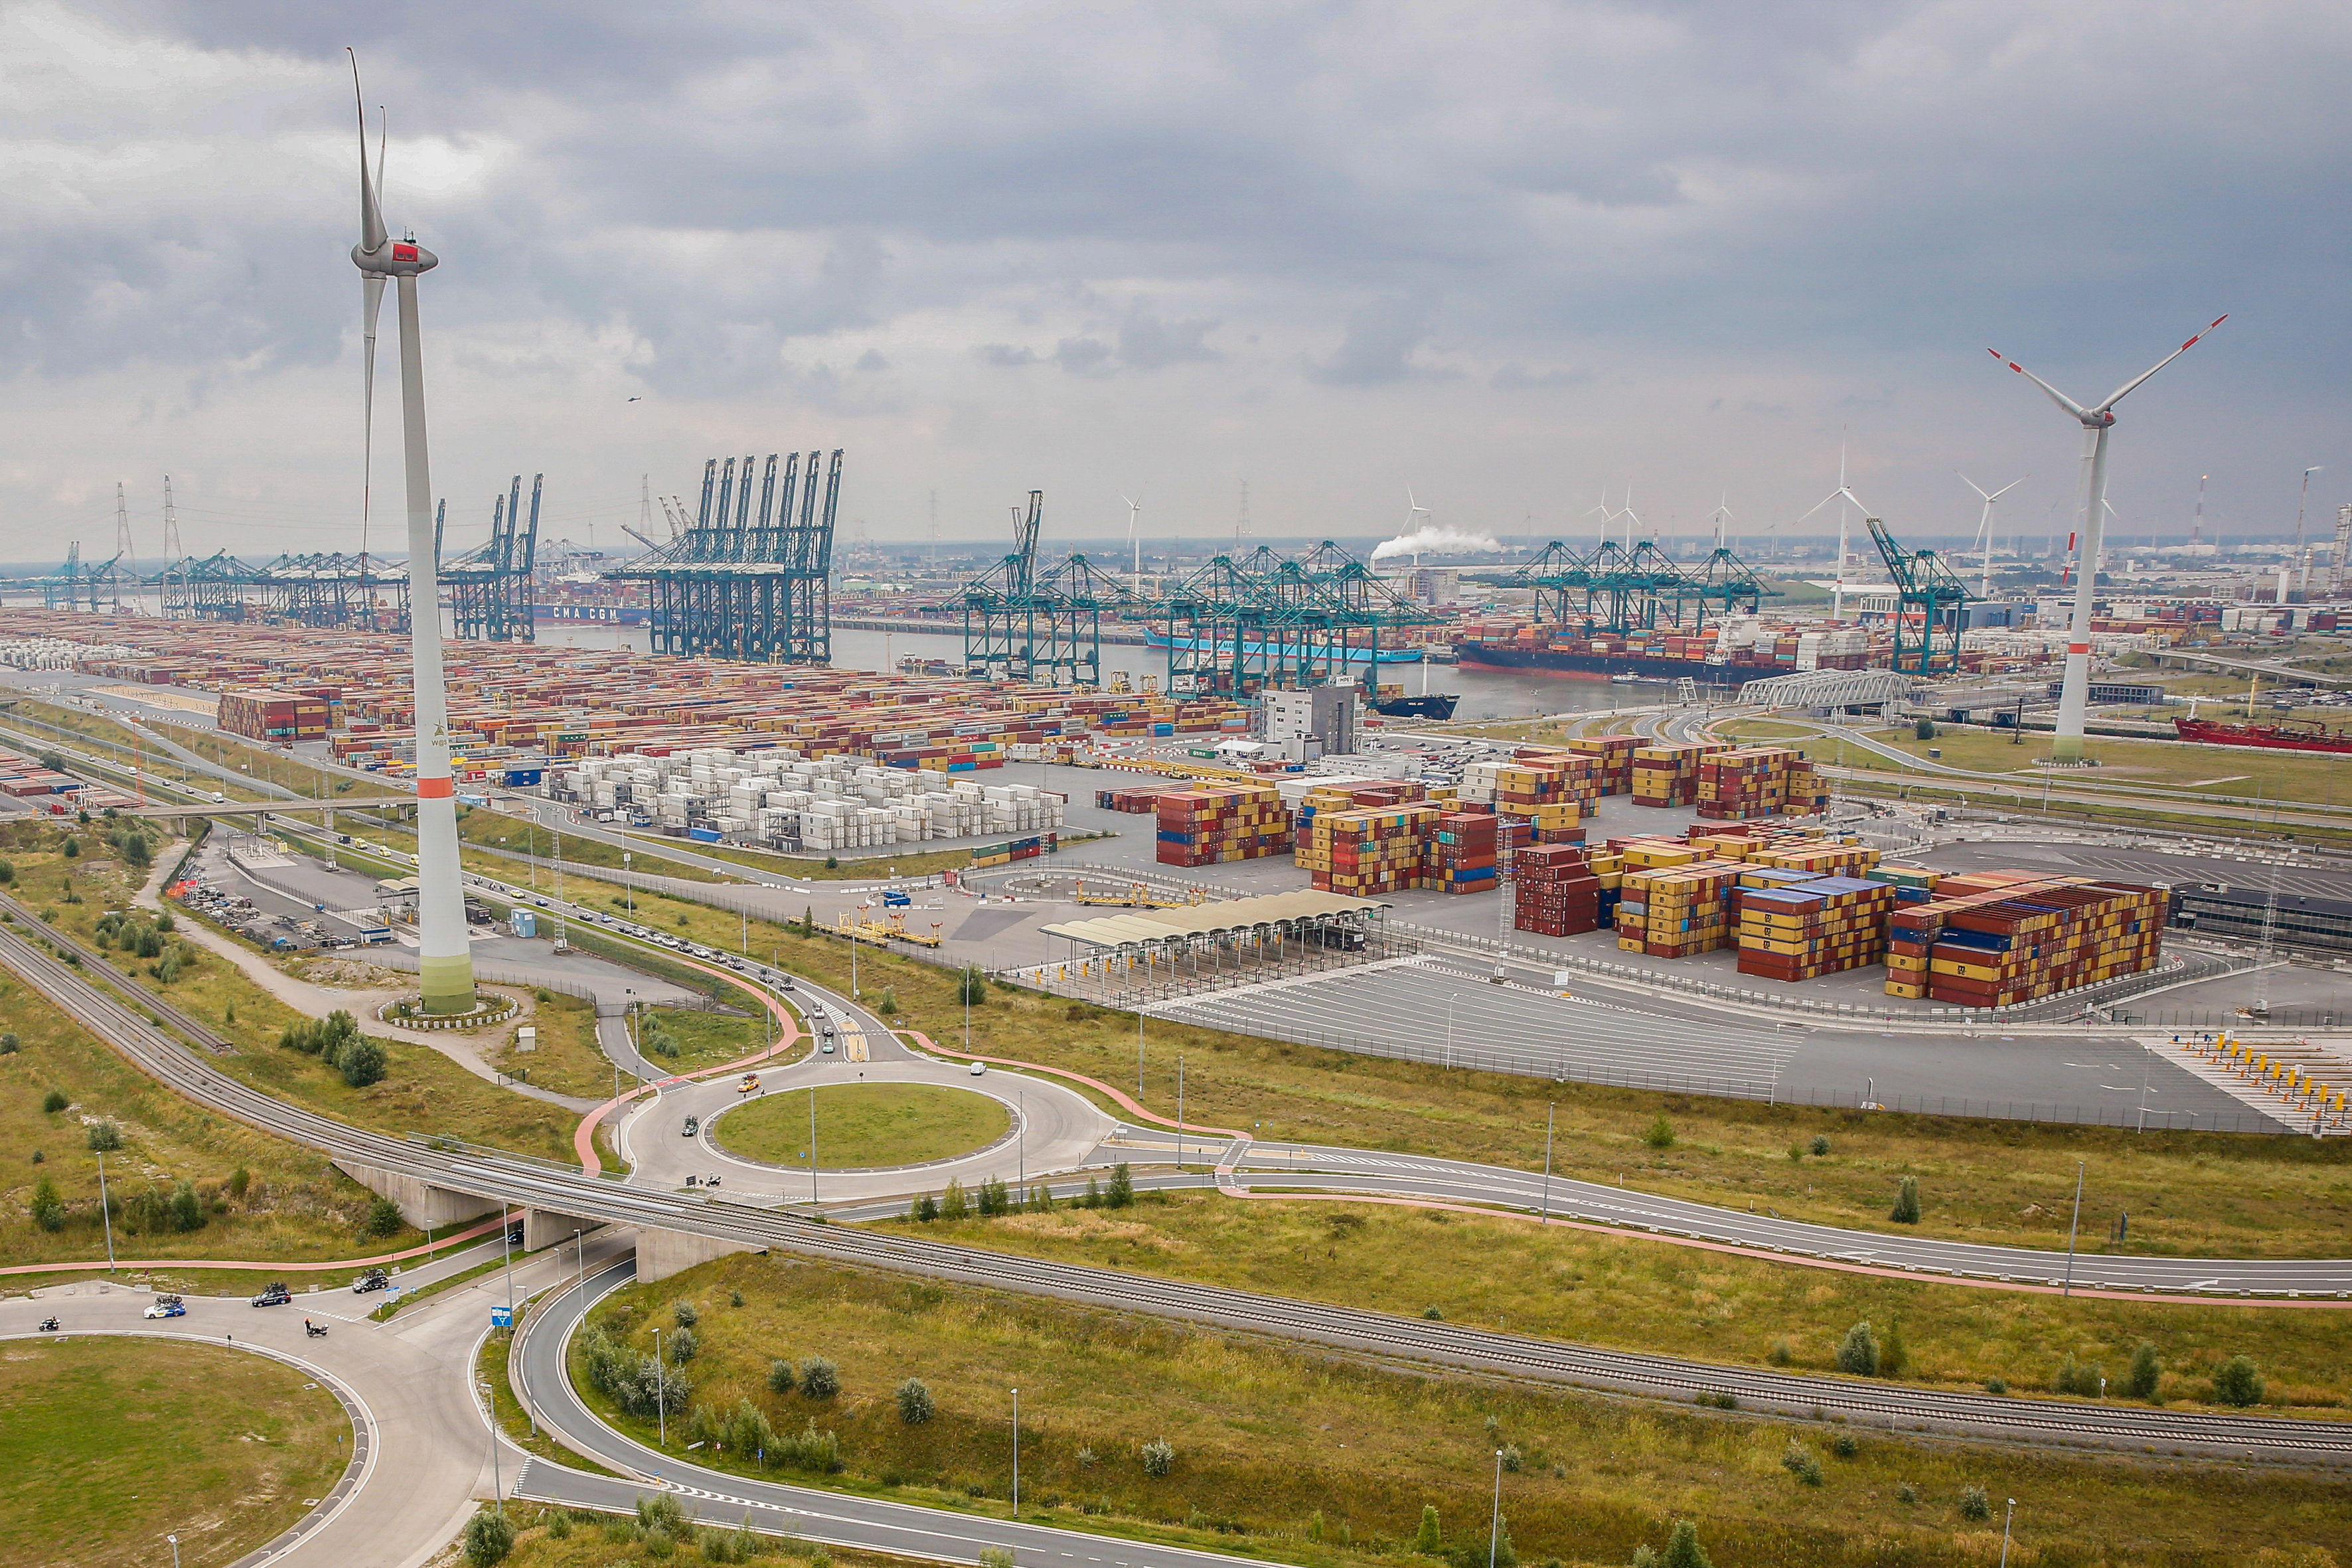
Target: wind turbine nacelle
x,y
2093,419
395,259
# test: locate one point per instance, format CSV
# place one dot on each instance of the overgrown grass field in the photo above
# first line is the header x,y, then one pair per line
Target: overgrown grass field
x,y
863,1125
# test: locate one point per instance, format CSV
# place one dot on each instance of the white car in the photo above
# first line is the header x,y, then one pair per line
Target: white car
x,y
979,1070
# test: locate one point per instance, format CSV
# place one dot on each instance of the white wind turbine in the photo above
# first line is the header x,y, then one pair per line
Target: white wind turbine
x,y
1134,540
1722,516
444,961
2074,696
1984,525
1842,494
1414,509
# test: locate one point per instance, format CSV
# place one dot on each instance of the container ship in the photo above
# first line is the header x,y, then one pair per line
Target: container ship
x,y
1160,639
2295,736
1751,653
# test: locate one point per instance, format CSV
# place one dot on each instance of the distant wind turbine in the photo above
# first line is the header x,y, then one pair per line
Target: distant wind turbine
x,y
1842,494
1984,524
445,958
2066,745
1134,540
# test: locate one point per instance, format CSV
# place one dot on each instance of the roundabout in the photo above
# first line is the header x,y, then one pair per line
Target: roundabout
x,y
863,1126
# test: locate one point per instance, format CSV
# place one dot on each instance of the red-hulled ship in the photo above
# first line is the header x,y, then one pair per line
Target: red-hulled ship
x,y
2296,735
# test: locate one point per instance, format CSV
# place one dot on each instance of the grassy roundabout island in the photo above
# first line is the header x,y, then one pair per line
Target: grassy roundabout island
x,y
110,1443
861,1126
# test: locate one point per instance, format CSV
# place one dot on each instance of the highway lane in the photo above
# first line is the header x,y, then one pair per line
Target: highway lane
x,y
564,1190
776,1507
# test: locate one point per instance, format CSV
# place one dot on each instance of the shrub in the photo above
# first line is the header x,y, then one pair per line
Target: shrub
x,y
820,1379
952,1203
1906,1492
748,1431
682,1346
1924,729
1857,1353
660,1511
362,1062
971,986
1907,1201
927,1208
1427,1539
48,1209
1159,1458
1683,1550
1821,1143
488,1537
1512,1460
7,872
993,1197
1893,1356
780,1377
558,1525
734,1298
638,1383
1996,1386
1121,1190
2075,1377
382,1219
1780,1355
240,1181
915,1402
1659,1135
995,1557
684,1314
105,1136
1844,1445
2238,1382
1717,1399
9,1044
889,1003
1432,1313
54,1101
2145,1373
1798,1461
1974,1504
811,1451
186,1211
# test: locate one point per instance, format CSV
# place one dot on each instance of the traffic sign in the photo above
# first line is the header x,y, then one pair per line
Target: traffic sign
x,y
502,1317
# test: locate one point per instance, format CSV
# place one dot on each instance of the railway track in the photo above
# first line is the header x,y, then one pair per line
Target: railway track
x,y
1383,1336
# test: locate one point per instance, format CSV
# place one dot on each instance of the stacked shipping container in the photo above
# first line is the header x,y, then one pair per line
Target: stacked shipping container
x,y
1668,776
1980,946
1555,892
1374,849
1756,782
1230,821
1461,854
1796,930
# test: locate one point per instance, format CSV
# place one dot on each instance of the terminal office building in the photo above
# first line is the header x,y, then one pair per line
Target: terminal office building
x,y
2239,914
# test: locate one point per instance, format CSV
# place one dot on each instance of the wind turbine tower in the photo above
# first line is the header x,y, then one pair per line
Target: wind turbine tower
x,y
2074,696
1984,528
1135,540
445,962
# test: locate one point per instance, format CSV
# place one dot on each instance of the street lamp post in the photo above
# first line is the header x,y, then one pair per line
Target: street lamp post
x,y
2073,1226
1494,1522
497,1488
628,885
1016,1453
661,1392
1549,1111
1449,1027
106,1211
1180,1115
2006,1519
176,1550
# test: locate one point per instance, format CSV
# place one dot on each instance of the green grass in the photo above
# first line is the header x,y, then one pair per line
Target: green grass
x,y
568,1059
109,1443
2285,776
1595,1287
1297,1456
423,1091
2199,1194
860,1126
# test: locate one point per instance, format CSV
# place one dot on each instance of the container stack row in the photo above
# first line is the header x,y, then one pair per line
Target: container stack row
x,y
1819,925
1555,890
1668,776
1977,947
1461,853
1374,849
1230,821
1755,782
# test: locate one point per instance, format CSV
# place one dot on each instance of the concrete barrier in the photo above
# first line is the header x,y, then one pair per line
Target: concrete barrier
x,y
662,1253
422,1204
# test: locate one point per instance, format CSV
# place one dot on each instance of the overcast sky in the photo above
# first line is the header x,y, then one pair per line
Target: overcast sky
x,y
1511,255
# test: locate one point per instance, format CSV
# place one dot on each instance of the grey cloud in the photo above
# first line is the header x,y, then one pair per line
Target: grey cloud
x,y
1083,356
1378,347
1003,355
1146,343
1519,378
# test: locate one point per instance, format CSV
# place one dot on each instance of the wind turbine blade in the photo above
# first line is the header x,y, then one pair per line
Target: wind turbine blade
x,y
371,308
2057,396
372,229
1973,485
1823,502
2004,490
2118,394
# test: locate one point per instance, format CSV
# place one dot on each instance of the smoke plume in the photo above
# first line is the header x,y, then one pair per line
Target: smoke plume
x,y
1436,540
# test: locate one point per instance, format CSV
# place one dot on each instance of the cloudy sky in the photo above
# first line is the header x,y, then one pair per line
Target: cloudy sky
x,y
1508,255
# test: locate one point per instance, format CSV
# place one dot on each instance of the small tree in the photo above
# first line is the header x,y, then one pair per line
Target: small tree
x,y
48,1209
382,1219
915,1402
1821,1143
488,1537
9,1044
684,1314
683,1346
2237,1381
1907,1201
2146,1373
54,1101
888,1005
186,1211
820,1379
995,1557
971,987
1893,1356
1159,1458
1974,1504
240,1181
1857,1353
72,848
952,1203
1798,1461
1427,1539
362,1062
105,1136
1121,1192
1659,1135
1683,1550
1924,729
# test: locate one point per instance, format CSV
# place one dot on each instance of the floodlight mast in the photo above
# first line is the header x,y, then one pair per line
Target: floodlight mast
x,y
2074,698
445,962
